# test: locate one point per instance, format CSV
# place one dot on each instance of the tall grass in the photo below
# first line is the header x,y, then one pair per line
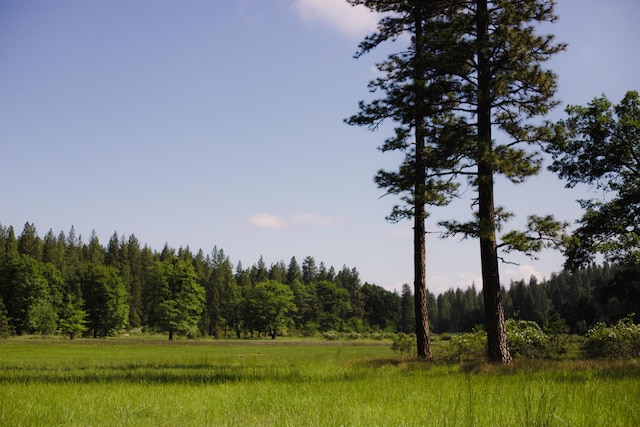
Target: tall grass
x,y
127,383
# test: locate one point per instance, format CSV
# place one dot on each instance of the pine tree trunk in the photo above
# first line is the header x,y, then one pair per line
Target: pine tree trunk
x,y
497,348
419,257
420,288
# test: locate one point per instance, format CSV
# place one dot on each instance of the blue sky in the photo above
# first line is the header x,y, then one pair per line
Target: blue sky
x,y
207,123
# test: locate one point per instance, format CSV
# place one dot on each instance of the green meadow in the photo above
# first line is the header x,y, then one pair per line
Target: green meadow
x,y
147,382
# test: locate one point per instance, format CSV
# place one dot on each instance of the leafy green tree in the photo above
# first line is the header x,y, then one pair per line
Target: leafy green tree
x,y
269,304
306,314
599,145
22,283
381,307
333,306
106,300
175,298
73,318
43,317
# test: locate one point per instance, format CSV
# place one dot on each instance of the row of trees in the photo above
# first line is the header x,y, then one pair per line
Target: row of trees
x,y
59,283
579,299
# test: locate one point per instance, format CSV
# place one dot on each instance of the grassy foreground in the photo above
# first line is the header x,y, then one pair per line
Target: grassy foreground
x,y
203,383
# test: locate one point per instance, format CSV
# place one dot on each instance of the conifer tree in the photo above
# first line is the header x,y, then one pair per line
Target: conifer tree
x,y
504,87
471,67
29,243
416,98
294,272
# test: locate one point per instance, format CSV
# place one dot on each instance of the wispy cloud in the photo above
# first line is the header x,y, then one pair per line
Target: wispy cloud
x,y
265,220
349,20
274,222
311,219
520,272
439,284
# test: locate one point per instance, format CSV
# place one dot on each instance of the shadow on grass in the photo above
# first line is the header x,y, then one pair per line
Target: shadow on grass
x,y
556,370
559,370
169,374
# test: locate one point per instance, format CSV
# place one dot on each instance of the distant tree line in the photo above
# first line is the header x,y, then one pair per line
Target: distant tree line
x,y
598,293
60,284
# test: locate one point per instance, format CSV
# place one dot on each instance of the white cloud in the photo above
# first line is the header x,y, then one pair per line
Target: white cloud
x,y
311,219
265,220
520,272
349,20
274,222
439,284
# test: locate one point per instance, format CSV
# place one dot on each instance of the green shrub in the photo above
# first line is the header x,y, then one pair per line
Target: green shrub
x,y
468,346
353,336
619,341
388,335
525,338
310,329
331,335
377,336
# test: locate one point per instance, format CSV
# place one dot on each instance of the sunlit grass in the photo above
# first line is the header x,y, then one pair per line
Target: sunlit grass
x,y
142,383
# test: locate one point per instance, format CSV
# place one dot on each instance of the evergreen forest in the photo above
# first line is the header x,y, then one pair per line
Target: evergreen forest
x,y
59,284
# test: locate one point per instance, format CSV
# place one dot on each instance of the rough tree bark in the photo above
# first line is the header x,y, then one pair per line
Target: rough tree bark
x,y
498,350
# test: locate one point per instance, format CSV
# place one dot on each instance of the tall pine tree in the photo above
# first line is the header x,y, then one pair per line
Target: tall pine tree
x,y
417,99
503,89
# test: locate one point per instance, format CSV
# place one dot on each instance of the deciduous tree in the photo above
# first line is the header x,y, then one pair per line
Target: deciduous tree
x,y
270,303
106,300
599,145
176,299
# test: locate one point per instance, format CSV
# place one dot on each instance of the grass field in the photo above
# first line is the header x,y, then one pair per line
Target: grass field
x,y
132,382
